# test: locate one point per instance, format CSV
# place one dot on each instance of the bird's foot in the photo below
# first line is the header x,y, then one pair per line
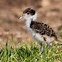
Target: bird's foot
x,y
49,46
41,55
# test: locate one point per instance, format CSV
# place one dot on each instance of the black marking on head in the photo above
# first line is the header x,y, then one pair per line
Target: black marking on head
x,y
29,11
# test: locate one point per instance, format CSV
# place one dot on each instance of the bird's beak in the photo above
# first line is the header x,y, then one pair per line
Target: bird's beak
x,y
21,17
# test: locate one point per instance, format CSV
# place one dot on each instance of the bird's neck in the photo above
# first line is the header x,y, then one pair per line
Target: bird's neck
x,y
29,19
28,22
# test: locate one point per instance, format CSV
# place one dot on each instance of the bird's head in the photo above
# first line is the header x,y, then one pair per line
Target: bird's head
x,y
29,14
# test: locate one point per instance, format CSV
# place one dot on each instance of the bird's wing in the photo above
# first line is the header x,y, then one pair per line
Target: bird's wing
x,y
43,29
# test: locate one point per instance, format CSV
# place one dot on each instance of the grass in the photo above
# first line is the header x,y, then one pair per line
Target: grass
x,y
30,53
60,27
60,30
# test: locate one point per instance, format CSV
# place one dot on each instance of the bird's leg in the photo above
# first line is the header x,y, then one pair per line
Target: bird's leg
x,y
39,39
41,49
48,45
48,40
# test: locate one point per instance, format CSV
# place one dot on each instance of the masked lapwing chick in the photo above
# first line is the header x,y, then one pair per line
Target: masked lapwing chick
x,y
40,31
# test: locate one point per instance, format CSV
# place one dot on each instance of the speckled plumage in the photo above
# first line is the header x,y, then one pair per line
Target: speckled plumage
x,y
42,29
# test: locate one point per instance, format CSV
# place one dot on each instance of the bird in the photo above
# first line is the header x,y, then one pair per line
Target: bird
x,y
40,31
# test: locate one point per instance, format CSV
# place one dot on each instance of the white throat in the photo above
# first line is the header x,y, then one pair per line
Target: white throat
x,y
28,22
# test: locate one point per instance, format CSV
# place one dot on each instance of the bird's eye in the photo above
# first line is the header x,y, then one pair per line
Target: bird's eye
x,y
28,13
